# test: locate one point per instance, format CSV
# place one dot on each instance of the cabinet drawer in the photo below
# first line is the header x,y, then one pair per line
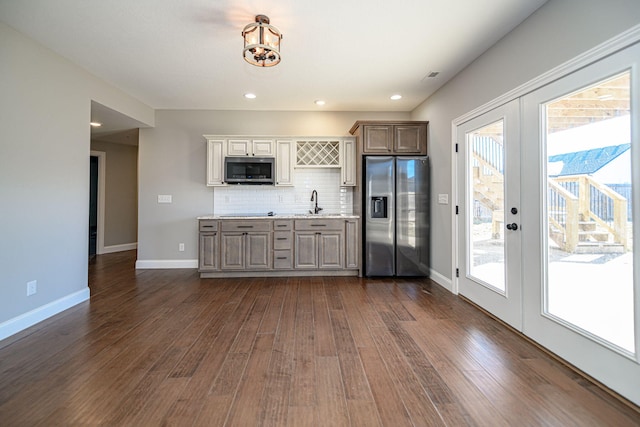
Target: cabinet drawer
x,y
282,260
282,240
282,224
247,226
319,224
208,225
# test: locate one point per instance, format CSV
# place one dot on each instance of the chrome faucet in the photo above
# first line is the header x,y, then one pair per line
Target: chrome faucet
x,y
314,198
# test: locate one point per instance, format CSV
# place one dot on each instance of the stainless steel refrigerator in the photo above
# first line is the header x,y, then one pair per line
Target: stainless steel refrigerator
x,y
396,205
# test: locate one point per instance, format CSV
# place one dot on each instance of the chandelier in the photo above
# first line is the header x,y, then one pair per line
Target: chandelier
x,y
261,43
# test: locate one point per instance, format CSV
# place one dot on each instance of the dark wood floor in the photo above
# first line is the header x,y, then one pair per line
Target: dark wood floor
x,y
164,347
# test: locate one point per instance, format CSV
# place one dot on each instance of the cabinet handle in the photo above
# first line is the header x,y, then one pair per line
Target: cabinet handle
x,y
207,226
281,257
318,225
245,226
281,238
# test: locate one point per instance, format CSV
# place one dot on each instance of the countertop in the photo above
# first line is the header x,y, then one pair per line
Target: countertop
x,y
278,216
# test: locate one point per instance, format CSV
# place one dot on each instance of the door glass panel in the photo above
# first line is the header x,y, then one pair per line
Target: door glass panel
x,y
486,201
589,242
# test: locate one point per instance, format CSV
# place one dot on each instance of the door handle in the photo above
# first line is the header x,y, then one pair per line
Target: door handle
x,y
513,226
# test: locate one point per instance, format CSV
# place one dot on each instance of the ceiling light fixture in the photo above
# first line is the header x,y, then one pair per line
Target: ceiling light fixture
x,y
319,102
396,97
261,43
250,95
95,124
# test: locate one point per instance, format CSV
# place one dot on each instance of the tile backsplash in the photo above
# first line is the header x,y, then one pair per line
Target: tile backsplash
x,y
260,199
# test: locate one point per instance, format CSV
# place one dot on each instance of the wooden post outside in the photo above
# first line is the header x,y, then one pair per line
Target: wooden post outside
x,y
571,225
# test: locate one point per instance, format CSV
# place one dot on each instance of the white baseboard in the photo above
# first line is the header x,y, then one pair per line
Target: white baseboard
x,y
26,320
441,280
119,248
166,263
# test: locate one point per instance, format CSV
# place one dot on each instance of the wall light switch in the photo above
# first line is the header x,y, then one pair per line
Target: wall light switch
x,y
443,199
165,198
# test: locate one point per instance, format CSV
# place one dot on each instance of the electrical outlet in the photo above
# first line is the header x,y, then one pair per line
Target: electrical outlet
x,y
181,247
443,199
165,198
32,287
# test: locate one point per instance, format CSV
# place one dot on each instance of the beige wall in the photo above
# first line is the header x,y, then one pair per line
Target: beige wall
x,y
45,110
121,192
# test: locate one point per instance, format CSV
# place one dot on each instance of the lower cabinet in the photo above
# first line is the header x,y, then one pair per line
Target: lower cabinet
x,y
208,246
319,244
278,247
208,252
245,245
319,250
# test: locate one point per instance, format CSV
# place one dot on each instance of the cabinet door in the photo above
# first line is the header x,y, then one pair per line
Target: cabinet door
x,y
410,139
284,163
348,162
258,251
262,147
208,252
238,147
351,243
330,250
232,251
306,250
215,162
377,138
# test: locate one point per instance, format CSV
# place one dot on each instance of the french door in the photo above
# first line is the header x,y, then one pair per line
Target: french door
x,y
581,178
489,239
548,189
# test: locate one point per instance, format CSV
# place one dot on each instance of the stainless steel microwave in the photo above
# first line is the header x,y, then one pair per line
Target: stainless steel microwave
x,y
249,170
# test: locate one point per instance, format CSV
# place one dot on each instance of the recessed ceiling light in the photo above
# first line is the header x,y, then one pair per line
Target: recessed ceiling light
x,y
95,124
250,95
319,102
396,97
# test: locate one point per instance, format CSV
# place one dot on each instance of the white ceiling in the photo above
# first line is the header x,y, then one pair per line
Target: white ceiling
x,y
187,54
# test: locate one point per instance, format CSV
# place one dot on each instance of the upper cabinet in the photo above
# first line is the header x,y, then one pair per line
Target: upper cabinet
x,y
289,153
250,147
215,162
284,163
378,137
348,162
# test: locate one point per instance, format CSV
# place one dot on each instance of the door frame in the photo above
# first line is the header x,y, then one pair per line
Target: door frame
x,y
102,167
621,41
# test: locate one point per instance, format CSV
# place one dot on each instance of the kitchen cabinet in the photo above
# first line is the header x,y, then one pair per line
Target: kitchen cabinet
x,y
283,246
319,244
351,243
348,162
215,162
208,246
284,163
250,147
245,245
378,137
